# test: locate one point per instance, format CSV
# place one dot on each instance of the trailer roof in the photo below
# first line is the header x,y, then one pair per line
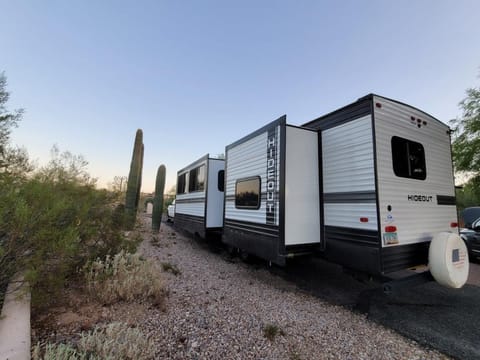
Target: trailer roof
x,y
370,97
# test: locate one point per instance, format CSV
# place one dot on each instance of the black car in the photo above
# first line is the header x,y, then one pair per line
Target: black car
x,y
470,230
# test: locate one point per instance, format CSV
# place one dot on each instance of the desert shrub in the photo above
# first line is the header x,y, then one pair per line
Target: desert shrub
x,y
270,331
126,277
52,223
58,351
114,341
117,341
166,266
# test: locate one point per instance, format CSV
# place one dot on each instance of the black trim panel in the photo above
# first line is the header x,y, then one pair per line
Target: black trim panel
x,y
280,121
348,113
351,197
256,228
190,223
358,236
446,200
258,239
404,256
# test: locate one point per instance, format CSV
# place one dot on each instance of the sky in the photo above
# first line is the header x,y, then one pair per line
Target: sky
x,y
196,76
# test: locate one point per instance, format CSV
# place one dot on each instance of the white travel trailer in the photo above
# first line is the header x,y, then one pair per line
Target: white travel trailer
x,y
368,186
199,200
272,206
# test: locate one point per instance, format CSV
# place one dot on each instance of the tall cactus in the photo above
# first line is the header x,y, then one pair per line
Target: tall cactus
x,y
158,199
132,196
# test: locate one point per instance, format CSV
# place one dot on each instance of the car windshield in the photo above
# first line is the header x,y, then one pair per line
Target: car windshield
x,y
469,215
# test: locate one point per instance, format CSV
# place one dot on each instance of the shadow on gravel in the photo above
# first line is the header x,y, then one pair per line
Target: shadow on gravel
x,y
444,319
435,316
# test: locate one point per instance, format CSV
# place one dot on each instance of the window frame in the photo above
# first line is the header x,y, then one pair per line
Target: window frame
x,y
406,159
259,202
221,180
193,183
184,176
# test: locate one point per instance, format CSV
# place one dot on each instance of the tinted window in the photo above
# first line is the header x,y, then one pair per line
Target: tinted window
x,y
408,159
181,184
197,179
247,193
221,180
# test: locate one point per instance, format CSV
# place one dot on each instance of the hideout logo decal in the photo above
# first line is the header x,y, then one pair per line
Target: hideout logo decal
x,y
272,164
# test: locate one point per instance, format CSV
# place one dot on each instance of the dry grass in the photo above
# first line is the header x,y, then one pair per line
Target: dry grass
x,y
125,277
114,341
166,266
270,331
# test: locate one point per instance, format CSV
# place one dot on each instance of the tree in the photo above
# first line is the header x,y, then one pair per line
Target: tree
x,y
13,160
119,184
7,119
466,143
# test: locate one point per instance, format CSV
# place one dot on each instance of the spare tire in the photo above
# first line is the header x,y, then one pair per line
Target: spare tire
x,y
448,260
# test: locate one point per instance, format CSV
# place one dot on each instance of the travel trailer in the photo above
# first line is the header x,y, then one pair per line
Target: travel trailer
x,y
199,199
272,192
369,186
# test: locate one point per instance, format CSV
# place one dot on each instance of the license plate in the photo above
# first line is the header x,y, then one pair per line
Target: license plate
x,y
390,238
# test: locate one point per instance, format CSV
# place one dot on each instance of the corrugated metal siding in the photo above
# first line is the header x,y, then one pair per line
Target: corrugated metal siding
x,y
191,207
348,215
415,221
244,160
348,157
348,170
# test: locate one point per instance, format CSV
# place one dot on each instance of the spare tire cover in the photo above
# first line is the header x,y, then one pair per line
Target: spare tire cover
x,y
448,260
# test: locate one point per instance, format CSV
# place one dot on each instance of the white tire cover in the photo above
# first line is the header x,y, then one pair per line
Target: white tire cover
x,y
448,260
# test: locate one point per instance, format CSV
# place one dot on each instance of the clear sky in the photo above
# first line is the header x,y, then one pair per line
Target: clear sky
x,y
198,75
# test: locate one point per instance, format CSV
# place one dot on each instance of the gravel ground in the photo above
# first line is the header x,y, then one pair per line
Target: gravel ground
x,y
218,309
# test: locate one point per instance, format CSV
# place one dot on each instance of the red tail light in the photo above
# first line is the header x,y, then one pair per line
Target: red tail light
x,y
363,219
453,224
390,229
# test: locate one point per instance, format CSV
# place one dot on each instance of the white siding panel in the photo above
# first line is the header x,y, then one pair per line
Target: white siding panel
x,y
248,159
215,197
190,203
415,221
302,203
347,156
348,215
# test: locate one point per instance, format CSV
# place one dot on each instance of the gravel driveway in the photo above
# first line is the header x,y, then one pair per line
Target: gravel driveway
x,y
220,309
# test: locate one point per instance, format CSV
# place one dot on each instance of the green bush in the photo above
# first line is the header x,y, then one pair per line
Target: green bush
x,y
55,221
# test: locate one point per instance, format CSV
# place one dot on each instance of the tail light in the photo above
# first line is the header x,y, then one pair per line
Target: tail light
x,y
390,229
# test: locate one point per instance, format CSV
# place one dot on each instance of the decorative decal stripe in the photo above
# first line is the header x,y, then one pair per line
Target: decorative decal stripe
x,y
250,227
190,201
272,164
350,197
263,197
446,200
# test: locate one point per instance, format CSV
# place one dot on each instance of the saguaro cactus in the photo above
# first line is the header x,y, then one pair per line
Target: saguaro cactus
x,y
158,199
132,196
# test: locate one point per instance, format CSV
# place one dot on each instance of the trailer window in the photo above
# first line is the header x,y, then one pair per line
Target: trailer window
x,y
181,184
197,179
408,159
221,180
247,193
